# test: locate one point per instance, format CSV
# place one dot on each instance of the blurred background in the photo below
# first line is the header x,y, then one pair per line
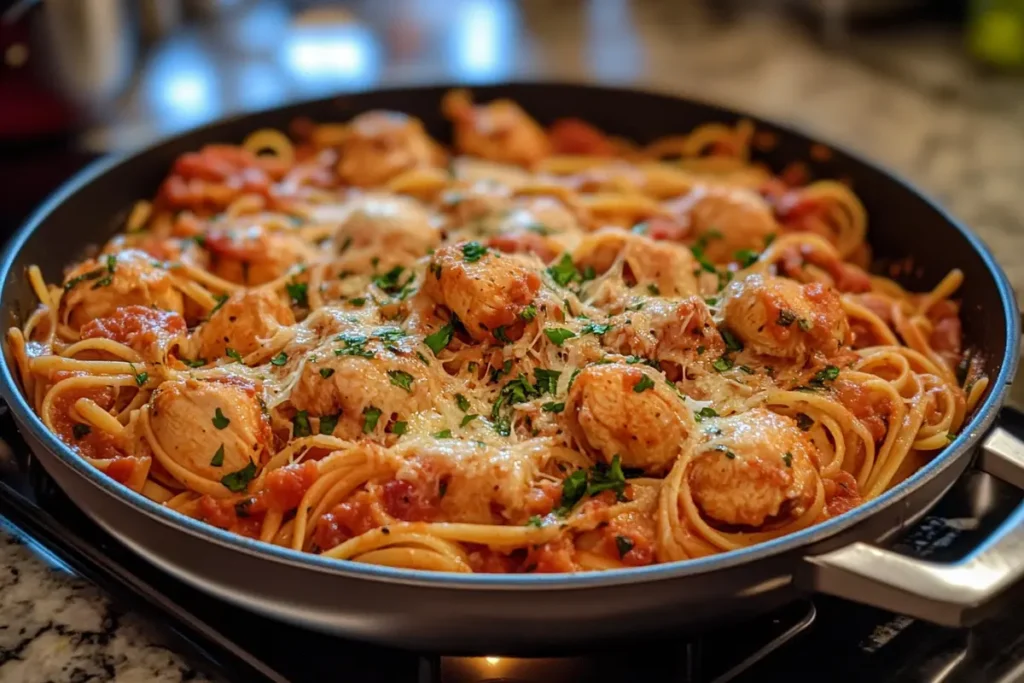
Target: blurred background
x,y
932,88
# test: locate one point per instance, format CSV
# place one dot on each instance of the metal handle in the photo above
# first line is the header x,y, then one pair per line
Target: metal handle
x,y
957,594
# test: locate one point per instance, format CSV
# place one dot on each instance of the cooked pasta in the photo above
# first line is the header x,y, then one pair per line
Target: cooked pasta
x,y
541,350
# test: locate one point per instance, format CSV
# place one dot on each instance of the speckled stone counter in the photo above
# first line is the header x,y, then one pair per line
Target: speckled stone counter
x,y
907,100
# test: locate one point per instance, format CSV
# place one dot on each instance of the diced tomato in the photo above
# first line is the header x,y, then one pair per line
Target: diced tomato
x,y
543,498
632,534
411,503
487,561
872,414
346,520
219,513
841,494
551,557
285,486
137,326
662,228
90,443
574,136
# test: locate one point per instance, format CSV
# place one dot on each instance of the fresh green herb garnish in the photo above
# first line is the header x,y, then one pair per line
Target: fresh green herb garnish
x,y
623,544
399,428
473,252
596,328
218,458
219,421
440,339
535,520
704,412
787,458
370,416
653,290
221,299
401,379
354,345
236,482
499,334
564,272
747,257
462,402
280,359
80,430
328,423
467,419
722,364
233,355
528,313
551,407
558,335
547,380
643,385
298,292
443,434
326,372
300,424
731,342
786,318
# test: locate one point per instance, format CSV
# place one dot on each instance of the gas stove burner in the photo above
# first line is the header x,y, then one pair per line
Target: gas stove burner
x,y
714,658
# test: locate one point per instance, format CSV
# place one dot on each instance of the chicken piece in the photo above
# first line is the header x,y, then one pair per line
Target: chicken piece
x,y
779,317
677,332
210,429
756,467
499,131
96,288
480,484
663,268
725,220
381,144
483,288
629,411
393,229
149,331
254,255
242,323
366,377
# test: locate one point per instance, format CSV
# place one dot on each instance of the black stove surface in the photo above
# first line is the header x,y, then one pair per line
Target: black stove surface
x,y
804,641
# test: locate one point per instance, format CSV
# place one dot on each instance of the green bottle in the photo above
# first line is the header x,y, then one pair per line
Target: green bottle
x,y
995,32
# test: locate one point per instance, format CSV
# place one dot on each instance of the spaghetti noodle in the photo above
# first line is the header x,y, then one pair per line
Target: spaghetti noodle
x,y
542,350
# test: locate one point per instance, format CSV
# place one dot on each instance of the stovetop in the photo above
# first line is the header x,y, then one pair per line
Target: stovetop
x,y
803,641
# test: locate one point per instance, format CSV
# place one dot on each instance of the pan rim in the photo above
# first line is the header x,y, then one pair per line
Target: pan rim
x,y
961,446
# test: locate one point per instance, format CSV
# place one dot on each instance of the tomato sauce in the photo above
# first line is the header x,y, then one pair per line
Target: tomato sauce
x,y
841,494
346,520
873,414
88,442
136,326
573,136
551,557
284,487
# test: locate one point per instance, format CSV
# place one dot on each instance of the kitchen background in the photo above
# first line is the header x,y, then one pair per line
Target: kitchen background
x,y
933,89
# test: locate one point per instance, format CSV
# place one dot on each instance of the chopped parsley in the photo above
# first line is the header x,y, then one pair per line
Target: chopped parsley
x,y
280,359
236,482
328,423
298,292
221,299
196,363
473,252
552,407
300,424
218,458
443,434
747,257
401,379
558,335
462,402
787,458
91,275
371,415
701,349
535,521
595,328
357,301
547,380
643,385
564,272
705,412
722,364
653,290
390,283
219,421
623,544
698,254
805,324
607,478
499,334
786,318
354,345
80,430
399,428
528,313
722,449
140,377
746,368
828,374
326,372
731,342
467,419
440,339
233,355
573,489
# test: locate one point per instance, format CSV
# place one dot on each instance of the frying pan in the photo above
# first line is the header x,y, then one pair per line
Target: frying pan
x,y
537,614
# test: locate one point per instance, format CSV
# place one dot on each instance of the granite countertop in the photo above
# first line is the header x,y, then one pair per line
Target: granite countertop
x,y
907,99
